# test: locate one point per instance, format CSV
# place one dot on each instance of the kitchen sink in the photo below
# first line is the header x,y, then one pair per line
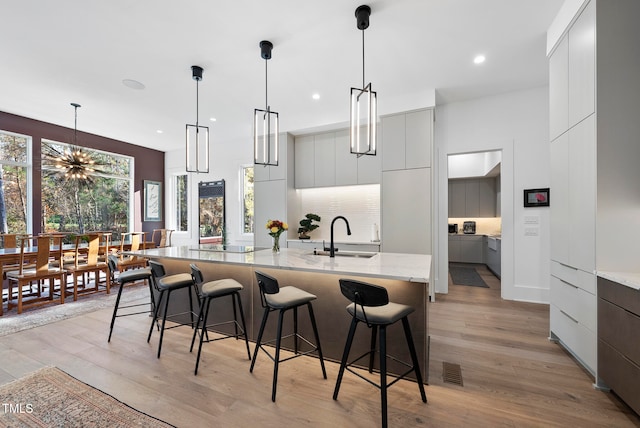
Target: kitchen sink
x,y
358,254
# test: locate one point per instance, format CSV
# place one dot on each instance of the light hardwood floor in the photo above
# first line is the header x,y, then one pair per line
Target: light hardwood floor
x,y
513,376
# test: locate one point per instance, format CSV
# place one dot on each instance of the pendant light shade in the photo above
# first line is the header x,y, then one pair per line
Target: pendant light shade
x,y
265,121
197,137
363,103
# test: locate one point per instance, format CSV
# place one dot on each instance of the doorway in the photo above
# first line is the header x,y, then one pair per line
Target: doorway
x,y
474,219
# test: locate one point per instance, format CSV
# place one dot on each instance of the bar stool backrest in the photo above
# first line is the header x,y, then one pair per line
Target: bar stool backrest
x,y
268,285
364,294
198,278
157,271
112,261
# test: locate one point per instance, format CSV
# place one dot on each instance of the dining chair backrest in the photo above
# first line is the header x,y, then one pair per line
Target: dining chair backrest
x,y
9,240
93,241
161,237
43,254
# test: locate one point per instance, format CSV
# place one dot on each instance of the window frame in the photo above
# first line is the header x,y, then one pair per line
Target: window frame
x,y
241,176
173,203
29,175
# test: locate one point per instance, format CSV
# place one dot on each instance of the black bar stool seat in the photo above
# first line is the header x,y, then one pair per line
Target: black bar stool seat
x,y
166,284
370,305
124,278
274,298
213,290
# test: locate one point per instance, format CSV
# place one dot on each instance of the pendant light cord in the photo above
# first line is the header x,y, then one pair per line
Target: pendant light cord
x,y
197,102
266,85
75,127
363,59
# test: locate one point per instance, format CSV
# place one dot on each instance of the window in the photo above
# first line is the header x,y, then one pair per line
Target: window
x,y
104,202
15,183
247,199
181,202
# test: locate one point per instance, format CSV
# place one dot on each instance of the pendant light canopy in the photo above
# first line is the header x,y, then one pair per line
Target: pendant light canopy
x,y
197,136
364,102
265,122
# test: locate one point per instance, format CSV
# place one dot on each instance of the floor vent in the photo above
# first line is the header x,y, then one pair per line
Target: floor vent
x,y
452,373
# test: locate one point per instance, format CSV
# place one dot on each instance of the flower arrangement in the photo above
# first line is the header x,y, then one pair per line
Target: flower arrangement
x,y
275,228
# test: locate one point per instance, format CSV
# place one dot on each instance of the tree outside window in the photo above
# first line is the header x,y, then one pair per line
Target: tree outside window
x,y
181,202
14,178
79,206
247,199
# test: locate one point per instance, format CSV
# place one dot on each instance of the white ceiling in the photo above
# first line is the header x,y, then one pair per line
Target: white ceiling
x,y
53,53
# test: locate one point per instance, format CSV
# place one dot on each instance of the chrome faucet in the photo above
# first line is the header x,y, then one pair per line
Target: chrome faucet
x,y
332,251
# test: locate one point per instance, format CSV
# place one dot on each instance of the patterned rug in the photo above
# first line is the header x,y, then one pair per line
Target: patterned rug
x,y
50,397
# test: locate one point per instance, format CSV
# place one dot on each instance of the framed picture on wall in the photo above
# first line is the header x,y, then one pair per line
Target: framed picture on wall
x,y
536,197
152,200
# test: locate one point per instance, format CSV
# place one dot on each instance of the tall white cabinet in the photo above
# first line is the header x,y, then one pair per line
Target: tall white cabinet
x,y
406,147
594,132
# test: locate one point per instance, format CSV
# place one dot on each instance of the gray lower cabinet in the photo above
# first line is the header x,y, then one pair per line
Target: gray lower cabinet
x,y
466,248
492,254
618,344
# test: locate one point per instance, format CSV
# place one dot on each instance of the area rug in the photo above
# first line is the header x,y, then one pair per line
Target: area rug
x,y
466,276
12,322
50,397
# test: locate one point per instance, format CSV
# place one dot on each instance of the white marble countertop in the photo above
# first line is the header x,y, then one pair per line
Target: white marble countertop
x,y
405,267
629,279
326,241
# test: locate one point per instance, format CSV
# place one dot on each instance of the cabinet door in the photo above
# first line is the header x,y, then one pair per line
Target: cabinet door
x,y
560,216
559,90
304,162
418,139
454,249
471,249
582,66
487,197
582,195
346,163
270,202
406,230
472,198
324,160
457,198
393,142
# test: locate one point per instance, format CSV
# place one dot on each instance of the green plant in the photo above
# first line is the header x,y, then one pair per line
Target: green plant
x,y
306,224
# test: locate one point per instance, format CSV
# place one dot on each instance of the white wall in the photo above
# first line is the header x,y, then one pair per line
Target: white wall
x,y
226,160
518,124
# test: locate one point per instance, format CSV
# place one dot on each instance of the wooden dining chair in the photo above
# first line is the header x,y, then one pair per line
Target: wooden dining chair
x,y
9,240
40,272
136,243
161,237
88,264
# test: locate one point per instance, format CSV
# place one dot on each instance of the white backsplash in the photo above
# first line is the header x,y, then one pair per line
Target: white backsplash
x,y
359,204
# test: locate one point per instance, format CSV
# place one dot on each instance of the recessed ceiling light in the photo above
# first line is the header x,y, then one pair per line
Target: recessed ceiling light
x,y
213,119
159,131
133,84
479,59
315,96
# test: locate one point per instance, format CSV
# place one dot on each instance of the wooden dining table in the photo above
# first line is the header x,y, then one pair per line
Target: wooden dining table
x,y
11,257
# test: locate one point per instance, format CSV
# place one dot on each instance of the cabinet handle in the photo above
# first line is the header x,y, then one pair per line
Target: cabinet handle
x,y
569,316
568,283
567,266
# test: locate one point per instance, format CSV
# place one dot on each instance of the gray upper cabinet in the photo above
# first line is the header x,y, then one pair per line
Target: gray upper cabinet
x,y
406,140
325,159
473,197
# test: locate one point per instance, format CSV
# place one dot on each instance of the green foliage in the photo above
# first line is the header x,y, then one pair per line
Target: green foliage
x,y
306,224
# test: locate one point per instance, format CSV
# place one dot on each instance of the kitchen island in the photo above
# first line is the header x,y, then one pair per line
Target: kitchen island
x,y
405,276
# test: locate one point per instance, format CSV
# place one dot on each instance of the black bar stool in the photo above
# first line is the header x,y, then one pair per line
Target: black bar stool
x,y
124,278
370,304
274,298
167,284
212,290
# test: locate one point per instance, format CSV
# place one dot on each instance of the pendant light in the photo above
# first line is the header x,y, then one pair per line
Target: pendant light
x,y
364,102
265,122
197,136
73,163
